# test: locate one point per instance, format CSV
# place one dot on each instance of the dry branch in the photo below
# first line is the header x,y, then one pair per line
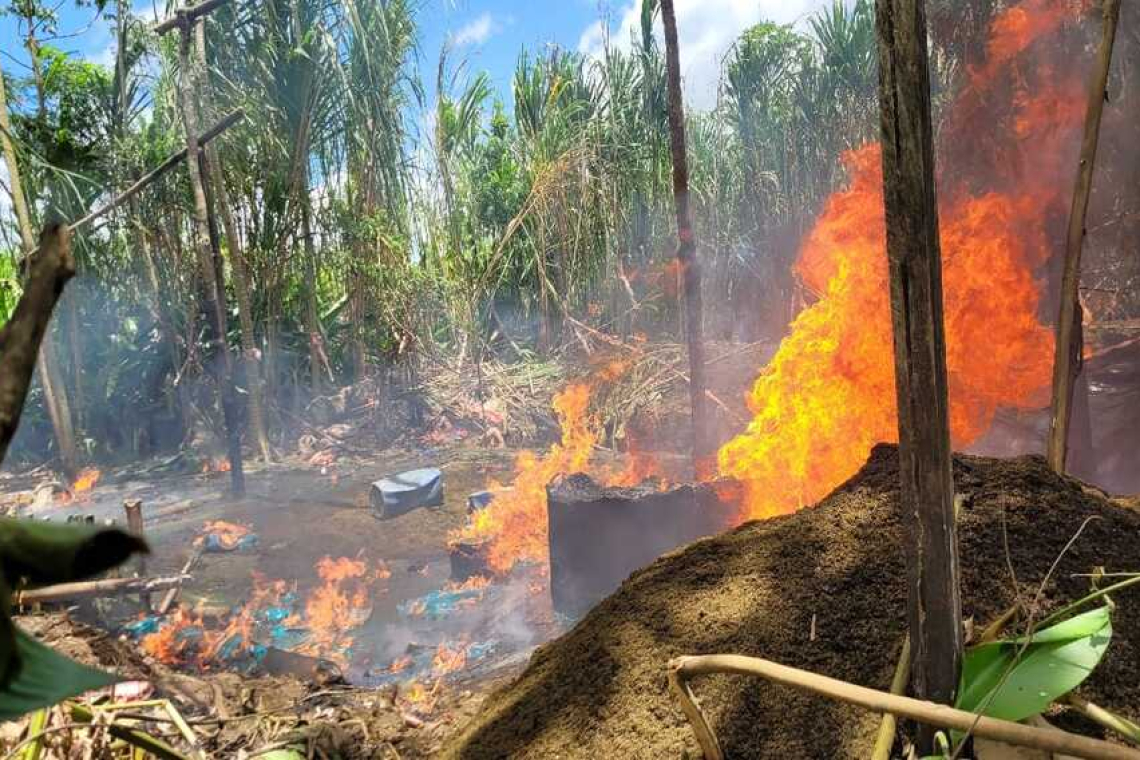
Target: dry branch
x,y
100,588
1069,345
48,270
168,600
682,669
185,17
172,161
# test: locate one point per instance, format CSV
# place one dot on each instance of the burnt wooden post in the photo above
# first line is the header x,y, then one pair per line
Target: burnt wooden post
x,y
133,510
914,256
703,448
1070,332
184,20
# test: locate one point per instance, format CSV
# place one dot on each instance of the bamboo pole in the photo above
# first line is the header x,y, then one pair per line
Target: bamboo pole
x,y
104,587
1070,338
683,669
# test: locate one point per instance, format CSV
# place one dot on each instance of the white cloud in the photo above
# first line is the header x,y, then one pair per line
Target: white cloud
x,y
706,30
475,32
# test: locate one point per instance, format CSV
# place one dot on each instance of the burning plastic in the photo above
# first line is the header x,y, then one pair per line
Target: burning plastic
x,y
222,536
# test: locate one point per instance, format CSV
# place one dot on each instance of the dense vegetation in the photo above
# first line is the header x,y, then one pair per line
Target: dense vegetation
x,y
376,227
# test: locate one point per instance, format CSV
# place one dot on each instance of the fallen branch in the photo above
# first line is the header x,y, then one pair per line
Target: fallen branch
x,y
683,669
172,161
100,588
168,600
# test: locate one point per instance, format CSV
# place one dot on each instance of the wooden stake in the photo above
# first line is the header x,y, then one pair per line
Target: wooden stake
x,y
915,262
703,446
133,510
1070,338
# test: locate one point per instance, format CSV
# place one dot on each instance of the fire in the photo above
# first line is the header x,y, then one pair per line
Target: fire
x,y
640,465
341,604
86,480
514,525
228,535
448,660
828,395
215,464
323,628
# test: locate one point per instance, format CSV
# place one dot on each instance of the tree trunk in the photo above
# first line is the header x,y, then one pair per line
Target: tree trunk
x,y
914,256
1067,354
702,445
215,316
241,275
312,315
55,394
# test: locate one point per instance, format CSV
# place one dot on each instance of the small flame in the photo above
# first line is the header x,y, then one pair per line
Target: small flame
x,y
86,480
228,534
215,464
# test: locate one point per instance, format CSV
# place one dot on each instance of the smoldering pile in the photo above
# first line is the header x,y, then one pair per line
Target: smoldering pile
x,y
821,589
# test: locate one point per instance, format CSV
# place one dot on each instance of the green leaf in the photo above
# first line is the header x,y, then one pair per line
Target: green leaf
x,y
43,553
40,553
45,677
1058,660
1078,627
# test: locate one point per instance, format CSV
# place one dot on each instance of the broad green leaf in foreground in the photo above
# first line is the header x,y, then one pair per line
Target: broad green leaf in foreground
x,y
40,553
44,678
1057,660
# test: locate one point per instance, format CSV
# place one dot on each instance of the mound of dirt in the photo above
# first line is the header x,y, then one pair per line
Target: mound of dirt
x,y
822,589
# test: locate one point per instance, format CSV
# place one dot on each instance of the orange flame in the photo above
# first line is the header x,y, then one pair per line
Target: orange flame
x,y
828,395
86,480
229,534
340,605
514,524
215,464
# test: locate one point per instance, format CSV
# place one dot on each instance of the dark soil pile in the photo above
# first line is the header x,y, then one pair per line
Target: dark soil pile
x,y
836,569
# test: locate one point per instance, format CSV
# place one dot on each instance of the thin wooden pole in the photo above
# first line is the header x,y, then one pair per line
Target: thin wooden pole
x,y
213,295
1070,337
702,445
915,264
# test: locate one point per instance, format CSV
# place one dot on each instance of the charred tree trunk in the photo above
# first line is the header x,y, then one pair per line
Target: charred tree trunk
x,y
1070,338
703,449
914,256
252,367
215,316
55,394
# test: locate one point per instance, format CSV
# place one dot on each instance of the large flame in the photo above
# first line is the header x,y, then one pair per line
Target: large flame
x,y
828,395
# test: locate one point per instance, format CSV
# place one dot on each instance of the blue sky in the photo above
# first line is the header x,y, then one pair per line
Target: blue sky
x,y
489,34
